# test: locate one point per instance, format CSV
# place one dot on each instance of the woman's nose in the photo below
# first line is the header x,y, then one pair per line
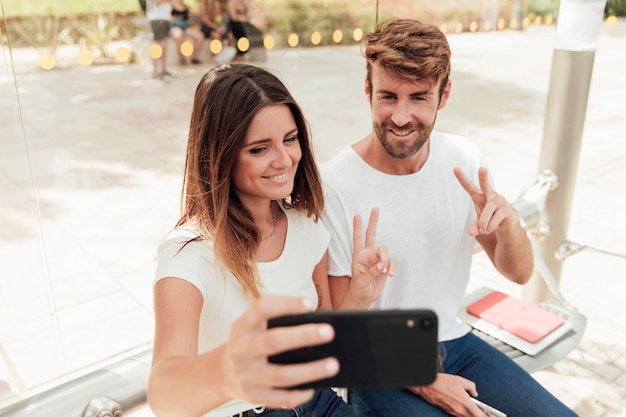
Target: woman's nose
x,y
283,157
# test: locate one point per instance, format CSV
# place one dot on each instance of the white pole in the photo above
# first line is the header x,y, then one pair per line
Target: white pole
x,y
577,33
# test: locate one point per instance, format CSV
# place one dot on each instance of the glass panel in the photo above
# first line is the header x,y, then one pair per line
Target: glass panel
x,y
80,212
28,326
91,159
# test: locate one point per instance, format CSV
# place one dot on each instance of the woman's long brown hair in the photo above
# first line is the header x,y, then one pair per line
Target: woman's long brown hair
x,y
226,100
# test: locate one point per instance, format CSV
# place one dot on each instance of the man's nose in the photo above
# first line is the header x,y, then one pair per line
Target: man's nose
x,y
401,113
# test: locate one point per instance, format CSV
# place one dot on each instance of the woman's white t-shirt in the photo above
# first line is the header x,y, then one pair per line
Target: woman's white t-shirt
x,y
224,298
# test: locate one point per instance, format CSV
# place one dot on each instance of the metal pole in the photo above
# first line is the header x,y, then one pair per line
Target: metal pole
x,y
577,33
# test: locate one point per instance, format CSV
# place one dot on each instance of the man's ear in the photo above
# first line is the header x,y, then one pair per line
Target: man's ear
x,y
445,94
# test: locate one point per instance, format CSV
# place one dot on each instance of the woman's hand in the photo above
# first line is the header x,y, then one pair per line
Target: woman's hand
x,y
249,376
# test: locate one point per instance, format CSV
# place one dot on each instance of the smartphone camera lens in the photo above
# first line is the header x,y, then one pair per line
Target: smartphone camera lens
x,y
426,324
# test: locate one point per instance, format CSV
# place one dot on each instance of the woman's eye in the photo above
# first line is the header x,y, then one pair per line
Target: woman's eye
x,y
257,151
291,139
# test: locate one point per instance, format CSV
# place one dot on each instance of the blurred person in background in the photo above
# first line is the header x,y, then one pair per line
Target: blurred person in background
x,y
182,28
159,14
239,17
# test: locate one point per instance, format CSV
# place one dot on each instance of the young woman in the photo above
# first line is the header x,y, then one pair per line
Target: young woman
x,y
182,29
247,243
158,13
214,19
239,16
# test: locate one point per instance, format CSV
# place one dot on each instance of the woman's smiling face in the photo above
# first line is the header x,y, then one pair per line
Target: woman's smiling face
x,y
267,163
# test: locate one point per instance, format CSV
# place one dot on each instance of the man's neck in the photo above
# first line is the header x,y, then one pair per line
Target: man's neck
x,y
372,152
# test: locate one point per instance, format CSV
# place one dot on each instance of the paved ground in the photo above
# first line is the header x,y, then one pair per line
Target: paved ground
x,y
105,148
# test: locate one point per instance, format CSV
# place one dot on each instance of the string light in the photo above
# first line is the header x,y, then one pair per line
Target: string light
x,y
47,61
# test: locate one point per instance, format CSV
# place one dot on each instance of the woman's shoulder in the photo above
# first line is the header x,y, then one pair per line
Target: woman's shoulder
x,y
183,239
183,233
301,224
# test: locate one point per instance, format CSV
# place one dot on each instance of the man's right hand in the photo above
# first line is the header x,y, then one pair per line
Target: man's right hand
x,y
451,393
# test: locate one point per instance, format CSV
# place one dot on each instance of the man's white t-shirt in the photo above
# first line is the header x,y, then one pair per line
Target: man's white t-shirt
x,y
224,299
424,221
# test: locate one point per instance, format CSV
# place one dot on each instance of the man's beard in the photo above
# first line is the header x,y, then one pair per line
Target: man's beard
x,y
402,150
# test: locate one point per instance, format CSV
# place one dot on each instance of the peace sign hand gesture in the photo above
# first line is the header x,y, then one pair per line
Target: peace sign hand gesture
x,y
493,211
371,266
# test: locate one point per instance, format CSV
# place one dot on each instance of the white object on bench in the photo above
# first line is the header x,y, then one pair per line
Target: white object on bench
x,y
529,348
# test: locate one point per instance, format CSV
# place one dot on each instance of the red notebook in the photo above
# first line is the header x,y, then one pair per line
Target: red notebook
x,y
528,321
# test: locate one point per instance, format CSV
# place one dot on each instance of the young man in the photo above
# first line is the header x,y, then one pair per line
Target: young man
x,y
435,199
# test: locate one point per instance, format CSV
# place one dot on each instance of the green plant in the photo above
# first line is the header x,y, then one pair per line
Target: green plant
x,y
15,8
96,31
46,33
615,8
542,7
303,17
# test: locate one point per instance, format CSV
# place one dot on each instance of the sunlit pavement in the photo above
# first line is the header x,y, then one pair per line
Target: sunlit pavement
x,y
105,134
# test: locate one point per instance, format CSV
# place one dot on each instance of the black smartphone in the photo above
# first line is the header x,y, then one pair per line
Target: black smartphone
x,y
375,349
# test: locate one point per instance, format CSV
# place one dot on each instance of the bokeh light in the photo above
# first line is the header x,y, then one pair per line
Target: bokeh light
x,y
269,42
186,48
473,27
47,61
243,44
337,36
85,57
155,51
611,20
316,38
549,19
293,40
122,54
500,25
443,28
215,46
357,34
487,25
459,27
537,20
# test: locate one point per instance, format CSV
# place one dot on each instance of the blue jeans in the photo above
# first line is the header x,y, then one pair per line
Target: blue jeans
x,y
325,403
500,382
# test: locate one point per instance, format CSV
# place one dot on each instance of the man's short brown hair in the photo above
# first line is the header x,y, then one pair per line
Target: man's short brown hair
x,y
411,49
